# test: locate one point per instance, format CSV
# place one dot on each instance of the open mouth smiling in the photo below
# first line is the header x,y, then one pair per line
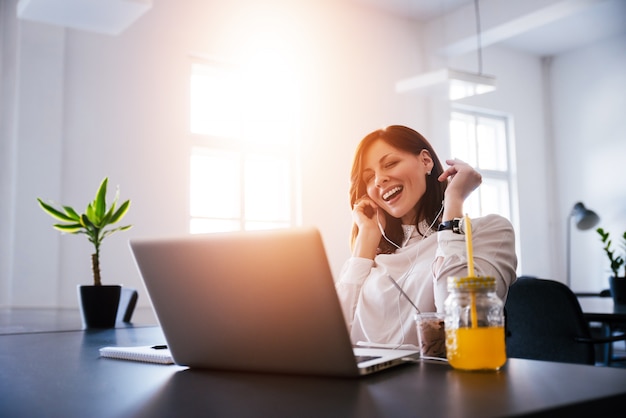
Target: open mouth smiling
x,y
390,194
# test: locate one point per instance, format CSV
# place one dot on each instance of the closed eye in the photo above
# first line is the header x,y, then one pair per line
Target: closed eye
x,y
367,177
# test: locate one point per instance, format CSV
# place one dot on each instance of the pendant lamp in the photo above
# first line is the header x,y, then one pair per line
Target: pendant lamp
x,y
450,83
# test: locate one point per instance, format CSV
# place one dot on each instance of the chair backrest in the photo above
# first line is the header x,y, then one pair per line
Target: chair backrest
x,y
544,319
126,307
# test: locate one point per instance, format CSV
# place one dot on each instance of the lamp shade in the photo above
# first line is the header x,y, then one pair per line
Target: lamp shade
x,y
583,217
448,83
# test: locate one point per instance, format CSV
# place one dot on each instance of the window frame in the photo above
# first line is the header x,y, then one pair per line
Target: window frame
x,y
510,174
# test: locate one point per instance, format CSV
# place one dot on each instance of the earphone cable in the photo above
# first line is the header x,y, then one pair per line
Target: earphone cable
x,y
408,272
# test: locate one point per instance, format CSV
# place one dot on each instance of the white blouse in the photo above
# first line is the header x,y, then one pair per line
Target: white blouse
x,y
374,308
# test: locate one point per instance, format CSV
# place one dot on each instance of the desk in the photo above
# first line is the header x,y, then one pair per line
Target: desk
x,y
603,310
60,374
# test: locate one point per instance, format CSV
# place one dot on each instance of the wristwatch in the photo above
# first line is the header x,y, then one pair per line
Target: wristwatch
x,y
455,225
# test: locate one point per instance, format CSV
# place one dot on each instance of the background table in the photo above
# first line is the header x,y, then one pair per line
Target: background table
x,y
602,309
611,318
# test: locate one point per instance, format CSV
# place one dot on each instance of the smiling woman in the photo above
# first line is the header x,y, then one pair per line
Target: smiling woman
x,y
408,236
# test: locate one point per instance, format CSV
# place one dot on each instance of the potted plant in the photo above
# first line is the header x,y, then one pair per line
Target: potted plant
x,y
98,302
617,283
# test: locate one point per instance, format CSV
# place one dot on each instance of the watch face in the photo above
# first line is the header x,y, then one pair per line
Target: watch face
x,y
461,226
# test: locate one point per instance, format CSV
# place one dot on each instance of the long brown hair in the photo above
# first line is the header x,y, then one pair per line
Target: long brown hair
x,y
408,140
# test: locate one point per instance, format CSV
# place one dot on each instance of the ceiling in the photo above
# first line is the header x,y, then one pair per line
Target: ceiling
x,y
541,27
553,28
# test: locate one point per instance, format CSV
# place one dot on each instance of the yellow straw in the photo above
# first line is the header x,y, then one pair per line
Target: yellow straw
x,y
473,314
470,268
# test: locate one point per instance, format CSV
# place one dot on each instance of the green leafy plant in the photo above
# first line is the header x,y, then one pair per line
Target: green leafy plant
x,y
617,261
92,223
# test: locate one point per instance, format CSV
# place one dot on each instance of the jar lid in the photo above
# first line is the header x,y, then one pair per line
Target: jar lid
x,y
471,283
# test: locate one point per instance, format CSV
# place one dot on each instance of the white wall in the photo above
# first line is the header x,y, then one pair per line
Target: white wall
x,y
589,86
117,107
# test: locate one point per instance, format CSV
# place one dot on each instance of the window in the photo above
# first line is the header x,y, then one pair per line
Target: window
x,y
482,141
244,144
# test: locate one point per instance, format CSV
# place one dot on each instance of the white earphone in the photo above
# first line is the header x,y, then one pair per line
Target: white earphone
x,y
382,230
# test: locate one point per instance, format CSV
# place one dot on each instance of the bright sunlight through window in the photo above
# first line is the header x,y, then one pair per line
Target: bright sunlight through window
x,y
243,158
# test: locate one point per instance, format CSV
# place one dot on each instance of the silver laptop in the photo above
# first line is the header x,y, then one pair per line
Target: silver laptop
x,y
262,301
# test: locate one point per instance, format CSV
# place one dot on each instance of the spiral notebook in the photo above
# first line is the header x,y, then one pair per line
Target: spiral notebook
x,y
149,353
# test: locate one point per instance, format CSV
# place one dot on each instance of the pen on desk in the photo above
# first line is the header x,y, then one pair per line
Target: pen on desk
x,y
159,347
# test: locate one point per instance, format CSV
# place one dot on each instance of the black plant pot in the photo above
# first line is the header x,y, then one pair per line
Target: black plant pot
x,y
618,289
98,305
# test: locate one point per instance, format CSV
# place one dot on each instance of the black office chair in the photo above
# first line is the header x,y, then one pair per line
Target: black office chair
x,y
545,322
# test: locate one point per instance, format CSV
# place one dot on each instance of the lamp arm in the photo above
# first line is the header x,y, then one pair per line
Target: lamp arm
x,y
568,249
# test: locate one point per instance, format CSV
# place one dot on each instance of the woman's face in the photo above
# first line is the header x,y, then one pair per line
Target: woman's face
x,y
395,179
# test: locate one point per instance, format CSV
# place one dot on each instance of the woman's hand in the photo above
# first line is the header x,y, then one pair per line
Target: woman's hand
x,y
364,213
463,179
366,217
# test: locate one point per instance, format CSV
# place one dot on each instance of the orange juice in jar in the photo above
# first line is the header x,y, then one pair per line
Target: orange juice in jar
x,y
476,349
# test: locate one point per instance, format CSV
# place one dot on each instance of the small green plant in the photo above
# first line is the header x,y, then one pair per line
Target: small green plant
x,y
91,223
617,261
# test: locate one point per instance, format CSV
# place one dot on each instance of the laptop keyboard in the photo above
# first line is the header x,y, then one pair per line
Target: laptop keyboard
x,y
361,359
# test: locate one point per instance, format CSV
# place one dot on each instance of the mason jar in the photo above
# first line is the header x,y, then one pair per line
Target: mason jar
x,y
474,324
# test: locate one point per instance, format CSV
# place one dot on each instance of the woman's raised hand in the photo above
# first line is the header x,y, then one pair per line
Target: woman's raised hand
x,y
462,179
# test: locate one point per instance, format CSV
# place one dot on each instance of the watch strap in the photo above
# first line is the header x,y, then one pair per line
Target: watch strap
x,y
453,225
